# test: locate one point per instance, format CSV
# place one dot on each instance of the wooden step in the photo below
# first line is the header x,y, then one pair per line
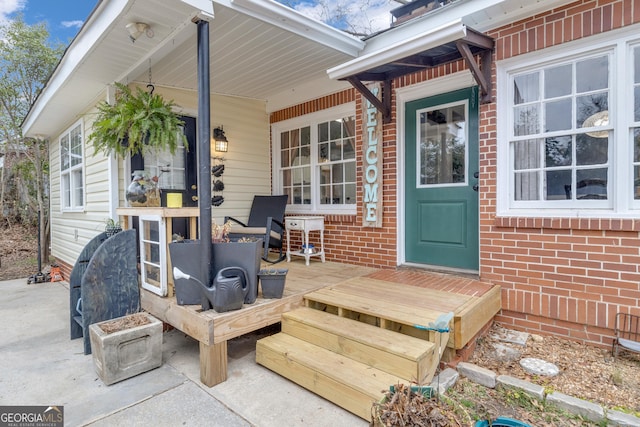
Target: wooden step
x,y
409,358
351,385
385,313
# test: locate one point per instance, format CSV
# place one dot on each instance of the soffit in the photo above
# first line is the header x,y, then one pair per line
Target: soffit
x,y
249,57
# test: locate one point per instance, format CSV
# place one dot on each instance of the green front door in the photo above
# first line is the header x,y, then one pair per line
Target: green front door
x,y
441,177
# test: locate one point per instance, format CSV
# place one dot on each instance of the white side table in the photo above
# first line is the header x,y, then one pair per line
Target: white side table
x,y
305,224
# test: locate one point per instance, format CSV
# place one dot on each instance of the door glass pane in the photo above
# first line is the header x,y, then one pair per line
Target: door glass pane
x,y
442,145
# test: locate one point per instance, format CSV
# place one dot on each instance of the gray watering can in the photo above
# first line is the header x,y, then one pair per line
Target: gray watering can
x,y
228,290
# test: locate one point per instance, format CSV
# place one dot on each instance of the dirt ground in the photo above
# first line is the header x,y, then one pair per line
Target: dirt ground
x,y
586,372
18,253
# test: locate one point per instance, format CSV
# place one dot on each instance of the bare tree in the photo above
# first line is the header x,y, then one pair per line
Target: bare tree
x,y
27,59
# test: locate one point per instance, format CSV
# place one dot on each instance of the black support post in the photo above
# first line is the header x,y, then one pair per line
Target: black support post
x,y
204,149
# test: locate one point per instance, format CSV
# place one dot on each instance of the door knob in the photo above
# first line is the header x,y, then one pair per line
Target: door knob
x,y
194,198
476,187
194,187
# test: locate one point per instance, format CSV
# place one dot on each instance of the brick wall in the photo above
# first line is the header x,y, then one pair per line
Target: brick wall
x,y
559,276
346,240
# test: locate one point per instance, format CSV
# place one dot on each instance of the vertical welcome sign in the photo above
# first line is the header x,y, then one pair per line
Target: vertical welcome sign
x,y
372,164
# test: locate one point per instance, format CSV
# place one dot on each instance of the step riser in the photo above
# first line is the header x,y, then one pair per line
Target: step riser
x,y
344,395
422,369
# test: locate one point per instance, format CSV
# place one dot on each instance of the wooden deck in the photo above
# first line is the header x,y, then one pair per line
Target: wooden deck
x,y
213,329
394,299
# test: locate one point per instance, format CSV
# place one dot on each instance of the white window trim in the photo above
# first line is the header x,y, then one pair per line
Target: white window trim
x,y
343,110
67,131
620,42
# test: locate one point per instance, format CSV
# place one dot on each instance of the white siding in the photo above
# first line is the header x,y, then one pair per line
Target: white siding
x,y
247,170
70,231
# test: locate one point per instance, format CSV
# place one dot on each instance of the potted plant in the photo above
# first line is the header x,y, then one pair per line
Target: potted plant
x,y
272,282
112,227
126,346
135,123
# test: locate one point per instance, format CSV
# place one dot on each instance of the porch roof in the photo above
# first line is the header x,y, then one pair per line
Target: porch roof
x,y
259,49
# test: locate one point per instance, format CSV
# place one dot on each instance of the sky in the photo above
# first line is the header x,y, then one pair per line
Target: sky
x,y
65,17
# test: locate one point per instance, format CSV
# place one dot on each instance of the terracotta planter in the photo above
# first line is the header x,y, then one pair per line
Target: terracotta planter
x,y
125,353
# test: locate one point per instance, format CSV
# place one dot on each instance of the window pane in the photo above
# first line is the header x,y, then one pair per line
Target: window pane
x,y
305,136
558,151
588,106
526,186
64,153
636,65
557,81
325,174
66,191
284,140
76,181
636,182
526,154
526,88
350,194
325,194
350,172
337,173
323,132
335,129
349,126
592,74
286,178
323,152
305,155
636,104
336,197
636,145
591,151
591,184
76,146
335,151
306,195
557,115
558,185
294,139
348,150
284,158
526,120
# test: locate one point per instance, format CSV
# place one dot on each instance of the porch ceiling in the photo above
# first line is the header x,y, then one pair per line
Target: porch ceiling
x,y
258,49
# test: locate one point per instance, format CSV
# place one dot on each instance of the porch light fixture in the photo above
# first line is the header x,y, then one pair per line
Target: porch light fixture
x,y
136,29
220,139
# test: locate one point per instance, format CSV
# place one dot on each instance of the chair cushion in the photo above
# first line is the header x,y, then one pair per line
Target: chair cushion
x,y
257,231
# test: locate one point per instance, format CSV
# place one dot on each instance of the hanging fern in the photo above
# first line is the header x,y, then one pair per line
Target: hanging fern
x,y
135,124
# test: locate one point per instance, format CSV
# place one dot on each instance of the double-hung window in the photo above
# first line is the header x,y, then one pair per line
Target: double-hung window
x,y
71,169
569,141
315,161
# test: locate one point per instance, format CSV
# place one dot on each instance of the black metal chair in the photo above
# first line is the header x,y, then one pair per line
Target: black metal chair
x,y
627,333
266,221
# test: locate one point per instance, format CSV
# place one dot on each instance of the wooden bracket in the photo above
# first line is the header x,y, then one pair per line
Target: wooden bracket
x,y
383,105
482,74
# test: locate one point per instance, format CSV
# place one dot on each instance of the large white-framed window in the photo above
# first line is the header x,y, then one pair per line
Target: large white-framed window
x,y
569,130
72,168
315,161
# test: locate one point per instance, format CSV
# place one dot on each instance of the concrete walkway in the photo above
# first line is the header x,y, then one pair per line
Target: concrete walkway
x,y
40,365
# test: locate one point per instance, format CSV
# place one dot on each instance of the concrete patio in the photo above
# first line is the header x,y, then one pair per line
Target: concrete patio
x,y
42,366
